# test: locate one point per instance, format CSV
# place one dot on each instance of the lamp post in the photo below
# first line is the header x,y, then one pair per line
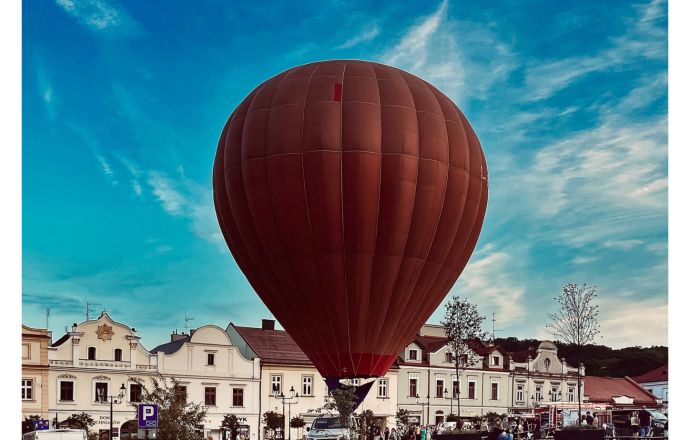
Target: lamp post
x,y
115,399
291,395
423,405
445,394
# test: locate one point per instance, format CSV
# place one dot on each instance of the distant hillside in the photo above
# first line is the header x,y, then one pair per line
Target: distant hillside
x,y
601,360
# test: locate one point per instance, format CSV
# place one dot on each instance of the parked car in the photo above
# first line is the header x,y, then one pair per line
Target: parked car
x,y
328,428
56,434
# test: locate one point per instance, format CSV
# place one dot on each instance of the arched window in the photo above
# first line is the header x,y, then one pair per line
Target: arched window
x,y
118,354
547,363
92,354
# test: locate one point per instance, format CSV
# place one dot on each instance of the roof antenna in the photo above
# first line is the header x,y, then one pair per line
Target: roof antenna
x,y
493,327
187,320
47,318
90,309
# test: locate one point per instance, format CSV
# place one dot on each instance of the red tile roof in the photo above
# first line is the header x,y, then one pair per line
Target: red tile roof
x,y
273,346
432,343
521,356
603,389
657,375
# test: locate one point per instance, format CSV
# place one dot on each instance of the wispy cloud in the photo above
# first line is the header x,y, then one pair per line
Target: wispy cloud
x,y
186,198
99,15
463,59
369,33
487,282
645,38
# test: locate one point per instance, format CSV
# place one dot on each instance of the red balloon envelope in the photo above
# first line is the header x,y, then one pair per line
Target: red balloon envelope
x,y
351,195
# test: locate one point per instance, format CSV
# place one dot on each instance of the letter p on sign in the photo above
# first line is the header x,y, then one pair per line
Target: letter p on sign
x,y
147,415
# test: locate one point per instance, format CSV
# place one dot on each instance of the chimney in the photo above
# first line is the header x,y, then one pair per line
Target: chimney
x,y
268,324
177,336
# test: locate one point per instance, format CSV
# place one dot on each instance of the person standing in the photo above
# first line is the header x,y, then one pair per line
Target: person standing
x,y
645,422
589,418
635,424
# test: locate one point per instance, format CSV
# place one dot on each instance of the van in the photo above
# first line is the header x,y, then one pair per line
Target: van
x,y
56,434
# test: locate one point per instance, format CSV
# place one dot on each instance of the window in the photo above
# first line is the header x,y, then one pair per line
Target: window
x,y
554,393
307,385
520,393
276,383
210,396
66,391
91,353
210,359
118,354
355,382
413,354
571,394
100,392
471,389
413,385
449,357
494,391
238,397
494,361
27,389
440,384
547,363
456,388
134,392
26,351
383,387
181,394
537,391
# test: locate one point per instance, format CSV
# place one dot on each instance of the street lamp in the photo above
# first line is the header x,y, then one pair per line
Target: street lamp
x,y
115,399
423,405
286,399
445,395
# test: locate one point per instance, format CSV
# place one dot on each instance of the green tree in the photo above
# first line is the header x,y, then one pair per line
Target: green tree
x,y
177,418
273,422
28,423
461,323
402,417
231,423
576,322
297,423
342,400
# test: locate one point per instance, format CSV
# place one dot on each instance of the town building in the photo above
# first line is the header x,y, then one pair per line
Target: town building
x,y
285,367
35,383
656,382
618,393
89,366
211,370
429,385
540,378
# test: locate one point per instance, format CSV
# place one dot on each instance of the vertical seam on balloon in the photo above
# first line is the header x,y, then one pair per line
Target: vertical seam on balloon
x,y
440,214
273,211
386,346
311,232
378,212
342,215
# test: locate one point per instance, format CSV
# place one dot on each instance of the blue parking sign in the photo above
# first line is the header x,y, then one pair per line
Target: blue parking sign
x,y
147,415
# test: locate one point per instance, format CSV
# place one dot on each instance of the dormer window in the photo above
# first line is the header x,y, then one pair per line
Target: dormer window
x,y
449,357
413,354
495,361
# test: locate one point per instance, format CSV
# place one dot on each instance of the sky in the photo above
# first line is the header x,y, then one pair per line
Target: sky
x,y
123,104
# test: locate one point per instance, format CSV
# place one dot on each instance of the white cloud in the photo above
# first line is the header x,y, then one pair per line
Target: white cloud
x,y
489,282
631,322
462,59
163,188
644,38
98,14
107,170
367,34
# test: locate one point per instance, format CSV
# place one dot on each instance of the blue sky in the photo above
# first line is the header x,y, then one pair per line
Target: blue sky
x,y
123,104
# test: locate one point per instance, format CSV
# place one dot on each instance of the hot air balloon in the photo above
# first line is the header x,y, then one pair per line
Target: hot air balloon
x,y
351,194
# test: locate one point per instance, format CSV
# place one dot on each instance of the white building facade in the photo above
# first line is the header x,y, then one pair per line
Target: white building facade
x,y
89,365
209,369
